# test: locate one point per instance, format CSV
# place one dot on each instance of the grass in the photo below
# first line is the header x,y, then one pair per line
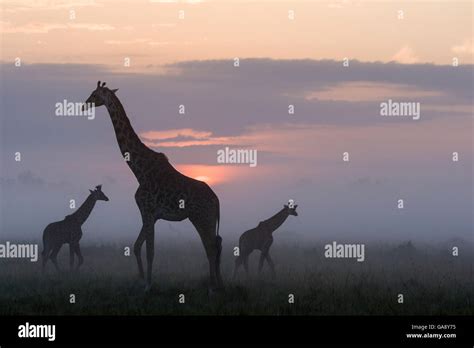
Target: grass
x,y
432,281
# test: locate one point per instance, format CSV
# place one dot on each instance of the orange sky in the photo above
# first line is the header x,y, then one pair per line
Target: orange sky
x,y
152,33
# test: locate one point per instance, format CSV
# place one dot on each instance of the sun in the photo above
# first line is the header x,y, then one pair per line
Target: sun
x,y
215,174
204,178
210,174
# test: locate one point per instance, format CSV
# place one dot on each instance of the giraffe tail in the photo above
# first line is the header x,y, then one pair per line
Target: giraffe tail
x,y
45,241
218,238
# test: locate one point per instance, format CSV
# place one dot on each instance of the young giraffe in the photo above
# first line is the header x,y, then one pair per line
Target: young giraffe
x,y
260,238
69,231
163,192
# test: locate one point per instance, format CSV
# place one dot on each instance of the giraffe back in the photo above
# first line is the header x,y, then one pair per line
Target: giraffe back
x,y
61,232
254,239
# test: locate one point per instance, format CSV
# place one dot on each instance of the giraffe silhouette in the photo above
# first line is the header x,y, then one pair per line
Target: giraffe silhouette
x,y
68,231
260,238
163,192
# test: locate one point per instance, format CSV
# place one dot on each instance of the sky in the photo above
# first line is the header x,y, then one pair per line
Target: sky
x,y
289,53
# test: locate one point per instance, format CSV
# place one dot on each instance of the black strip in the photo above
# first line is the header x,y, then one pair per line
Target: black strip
x,y
257,330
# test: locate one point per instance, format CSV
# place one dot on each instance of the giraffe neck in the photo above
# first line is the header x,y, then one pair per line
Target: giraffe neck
x,y
129,143
276,220
83,212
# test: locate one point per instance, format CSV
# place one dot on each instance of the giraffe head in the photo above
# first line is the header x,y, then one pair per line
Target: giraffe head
x,y
98,194
99,96
291,210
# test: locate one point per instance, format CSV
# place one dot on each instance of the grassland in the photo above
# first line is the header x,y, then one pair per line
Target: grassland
x,y
432,281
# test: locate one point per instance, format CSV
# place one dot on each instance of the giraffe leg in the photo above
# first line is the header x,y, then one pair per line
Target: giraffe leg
x,y
206,228
246,265
137,249
211,251
271,264
45,255
144,202
260,262
150,253
207,233
71,256
77,250
218,261
238,263
264,255
54,255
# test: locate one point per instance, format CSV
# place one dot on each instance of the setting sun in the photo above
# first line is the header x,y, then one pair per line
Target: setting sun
x,y
215,174
203,178
211,175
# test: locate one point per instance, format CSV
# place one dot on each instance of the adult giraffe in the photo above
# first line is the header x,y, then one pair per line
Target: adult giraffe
x,y
163,192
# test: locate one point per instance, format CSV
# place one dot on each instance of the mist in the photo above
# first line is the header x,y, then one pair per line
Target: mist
x,y
299,157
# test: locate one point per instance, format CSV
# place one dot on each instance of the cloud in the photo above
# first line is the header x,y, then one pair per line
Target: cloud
x,y
44,28
405,55
299,156
27,178
366,182
466,47
227,106
287,140
24,6
174,133
342,3
369,91
91,26
143,41
192,2
283,139
163,25
30,180
184,138
285,75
